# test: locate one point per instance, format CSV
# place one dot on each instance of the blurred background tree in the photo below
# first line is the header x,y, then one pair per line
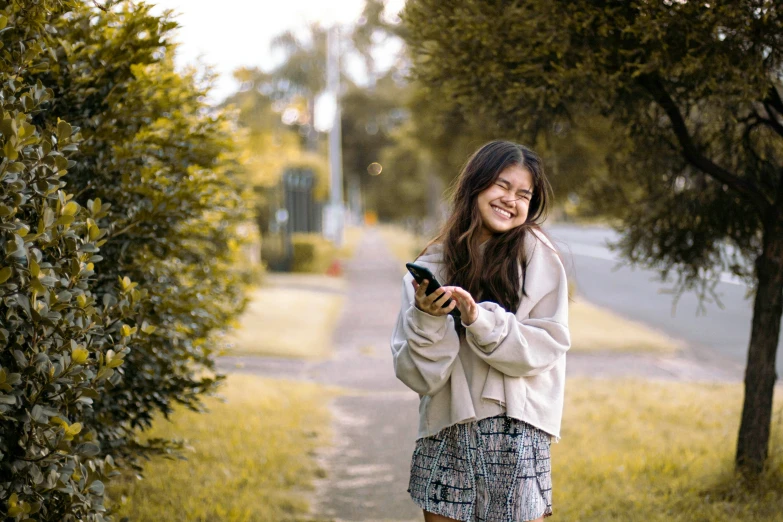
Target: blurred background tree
x,y
678,106
271,122
302,75
437,134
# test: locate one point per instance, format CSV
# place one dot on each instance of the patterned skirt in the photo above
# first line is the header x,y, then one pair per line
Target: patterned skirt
x,y
496,469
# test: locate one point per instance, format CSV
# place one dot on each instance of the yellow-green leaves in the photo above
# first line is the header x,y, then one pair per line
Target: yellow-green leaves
x,y
34,268
35,277
64,130
26,129
17,507
37,286
70,430
22,230
79,355
16,167
5,273
109,361
71,208
104,373
68,213
148,328
8,128
48,217
64,220
126,284
98,209
8,379
93,231
113,359
9,149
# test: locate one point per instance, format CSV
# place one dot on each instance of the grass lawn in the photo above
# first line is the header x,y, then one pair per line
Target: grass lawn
x,y
658,451
292,314
596,329
250,457
287,320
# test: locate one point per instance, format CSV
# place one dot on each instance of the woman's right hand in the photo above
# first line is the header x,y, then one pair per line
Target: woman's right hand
x,y
432,303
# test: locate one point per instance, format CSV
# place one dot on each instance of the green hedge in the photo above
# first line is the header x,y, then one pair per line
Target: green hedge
x,y
312,253
119,206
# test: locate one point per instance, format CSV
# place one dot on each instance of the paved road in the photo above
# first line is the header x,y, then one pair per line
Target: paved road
x,y
375,425
720,336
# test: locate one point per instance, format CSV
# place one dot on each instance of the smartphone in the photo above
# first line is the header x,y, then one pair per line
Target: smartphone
x,y
420,273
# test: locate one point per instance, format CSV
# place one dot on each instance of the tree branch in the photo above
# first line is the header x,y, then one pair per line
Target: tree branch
x,y
773,98
759,161
772,121
652,84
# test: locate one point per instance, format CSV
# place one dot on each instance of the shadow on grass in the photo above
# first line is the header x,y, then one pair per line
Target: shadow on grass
x,y
743,498
635,450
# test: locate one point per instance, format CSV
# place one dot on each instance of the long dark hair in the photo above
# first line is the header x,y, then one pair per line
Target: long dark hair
x,y
493,276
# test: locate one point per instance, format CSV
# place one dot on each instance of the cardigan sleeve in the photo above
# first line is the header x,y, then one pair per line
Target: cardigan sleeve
x,y
424,347
532,345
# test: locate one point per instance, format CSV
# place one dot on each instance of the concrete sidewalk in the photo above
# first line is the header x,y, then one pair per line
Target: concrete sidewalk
x,y
375,426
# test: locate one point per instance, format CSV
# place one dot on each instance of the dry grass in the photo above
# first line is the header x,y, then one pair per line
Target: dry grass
x,y
304,281
596,329
288,321
653,451
250,457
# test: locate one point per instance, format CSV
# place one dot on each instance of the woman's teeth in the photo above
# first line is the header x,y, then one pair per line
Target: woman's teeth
x,y
502,212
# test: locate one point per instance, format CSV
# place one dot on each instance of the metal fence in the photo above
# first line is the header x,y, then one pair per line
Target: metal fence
x,y
292,208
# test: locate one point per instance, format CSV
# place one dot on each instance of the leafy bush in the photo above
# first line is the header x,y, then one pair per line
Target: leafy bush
x,y
312,252
112,291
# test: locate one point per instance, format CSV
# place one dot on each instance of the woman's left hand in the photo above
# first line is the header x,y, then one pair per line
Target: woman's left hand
x,y
468,308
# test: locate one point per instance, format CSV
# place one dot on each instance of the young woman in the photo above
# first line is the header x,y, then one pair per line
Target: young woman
x,y
491,379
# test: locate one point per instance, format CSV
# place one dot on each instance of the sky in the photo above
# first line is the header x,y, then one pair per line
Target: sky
x,y
231,33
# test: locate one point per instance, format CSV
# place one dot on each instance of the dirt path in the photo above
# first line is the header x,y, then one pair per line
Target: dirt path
x,y
375,425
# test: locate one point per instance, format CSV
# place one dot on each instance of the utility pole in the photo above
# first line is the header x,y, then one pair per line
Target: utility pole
x,y
335,213
355,210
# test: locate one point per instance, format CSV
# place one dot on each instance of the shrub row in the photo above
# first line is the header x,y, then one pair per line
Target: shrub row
x,y
120,201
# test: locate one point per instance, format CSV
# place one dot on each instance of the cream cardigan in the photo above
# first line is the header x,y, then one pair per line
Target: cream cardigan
x,y
506,362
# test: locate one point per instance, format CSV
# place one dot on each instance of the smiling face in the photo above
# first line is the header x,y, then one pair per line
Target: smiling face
x,y
504,204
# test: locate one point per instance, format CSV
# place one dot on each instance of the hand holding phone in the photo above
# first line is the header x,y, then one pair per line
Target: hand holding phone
x,y
428,298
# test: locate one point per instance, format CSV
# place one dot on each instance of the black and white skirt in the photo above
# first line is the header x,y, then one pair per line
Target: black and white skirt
x,y
496,469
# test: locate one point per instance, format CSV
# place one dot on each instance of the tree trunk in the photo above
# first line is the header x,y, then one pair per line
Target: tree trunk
x,y
760,375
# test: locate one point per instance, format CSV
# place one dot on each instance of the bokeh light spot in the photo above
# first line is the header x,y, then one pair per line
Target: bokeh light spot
x,y
374,168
